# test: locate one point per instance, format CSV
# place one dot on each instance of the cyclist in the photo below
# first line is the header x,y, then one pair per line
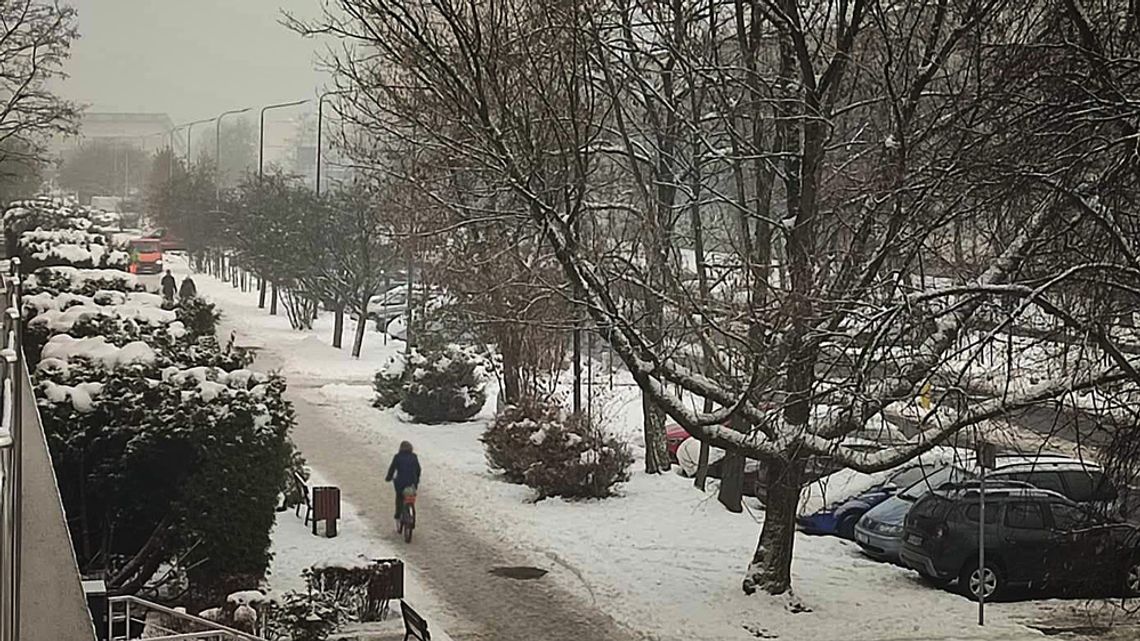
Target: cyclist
x,y
404,472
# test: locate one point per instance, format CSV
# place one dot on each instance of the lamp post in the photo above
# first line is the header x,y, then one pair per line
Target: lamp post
x,y
190,136
218,149
320,130
261,132
260,175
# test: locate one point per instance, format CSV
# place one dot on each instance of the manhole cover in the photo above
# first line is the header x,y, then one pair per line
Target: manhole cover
x,y
522,573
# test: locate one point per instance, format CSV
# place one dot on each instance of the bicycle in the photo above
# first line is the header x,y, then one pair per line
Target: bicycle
x,y
408,514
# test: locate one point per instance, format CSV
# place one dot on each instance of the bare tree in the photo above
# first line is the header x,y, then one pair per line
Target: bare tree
x,y
846,146
35,39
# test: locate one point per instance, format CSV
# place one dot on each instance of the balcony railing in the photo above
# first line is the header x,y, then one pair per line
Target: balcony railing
x,y
129,617
11,457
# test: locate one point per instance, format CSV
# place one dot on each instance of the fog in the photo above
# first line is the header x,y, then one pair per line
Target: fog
x,y
189,58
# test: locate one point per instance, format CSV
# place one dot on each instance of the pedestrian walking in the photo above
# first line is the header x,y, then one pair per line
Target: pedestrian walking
x,y
169,287
189,289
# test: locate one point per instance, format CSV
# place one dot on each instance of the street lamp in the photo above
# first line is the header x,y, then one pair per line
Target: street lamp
x,y
260,175
190,136
320,129
261,133
218,149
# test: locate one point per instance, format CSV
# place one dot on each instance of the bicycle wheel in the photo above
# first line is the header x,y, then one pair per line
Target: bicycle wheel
x,y
409,523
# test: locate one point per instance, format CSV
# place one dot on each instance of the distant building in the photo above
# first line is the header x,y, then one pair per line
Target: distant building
x,y
147,131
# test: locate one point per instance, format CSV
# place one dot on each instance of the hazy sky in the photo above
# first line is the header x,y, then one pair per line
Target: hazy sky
x,y
190,58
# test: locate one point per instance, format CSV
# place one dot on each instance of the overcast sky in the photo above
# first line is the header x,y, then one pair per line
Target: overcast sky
x,y
190,59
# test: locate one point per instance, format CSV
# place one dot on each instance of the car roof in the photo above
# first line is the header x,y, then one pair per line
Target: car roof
x,y
999,490
1045,463
1012,463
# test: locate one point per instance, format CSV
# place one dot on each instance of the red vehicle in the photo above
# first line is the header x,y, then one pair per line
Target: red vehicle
x,y
674,436
146,256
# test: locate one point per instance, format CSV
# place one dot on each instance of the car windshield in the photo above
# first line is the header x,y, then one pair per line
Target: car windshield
x,y
909,476
934,480
144,246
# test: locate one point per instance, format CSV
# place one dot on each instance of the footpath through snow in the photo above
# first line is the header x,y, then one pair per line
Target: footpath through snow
x,y
663,559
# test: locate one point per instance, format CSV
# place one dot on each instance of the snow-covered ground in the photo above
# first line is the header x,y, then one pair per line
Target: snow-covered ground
x,y
662,558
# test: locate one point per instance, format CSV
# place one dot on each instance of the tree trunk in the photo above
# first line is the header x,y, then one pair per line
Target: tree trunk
x,y
771,566
361,324
260,293
656,448
512,383
273,300
731,491
338,327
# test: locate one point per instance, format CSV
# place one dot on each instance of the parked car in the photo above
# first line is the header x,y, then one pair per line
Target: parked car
x,y
879,531
841,516
388,305
1034,537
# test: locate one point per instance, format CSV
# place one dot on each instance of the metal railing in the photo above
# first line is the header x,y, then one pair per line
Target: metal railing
x,y
130,617
11,455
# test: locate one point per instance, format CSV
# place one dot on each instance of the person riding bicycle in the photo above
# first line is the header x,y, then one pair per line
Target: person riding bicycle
x,y
404,472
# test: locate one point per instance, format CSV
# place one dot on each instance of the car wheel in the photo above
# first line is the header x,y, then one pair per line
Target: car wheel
x,y
846,527
972,580
1132,578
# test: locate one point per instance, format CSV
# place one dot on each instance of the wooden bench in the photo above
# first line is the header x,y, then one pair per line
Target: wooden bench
x,y
415,626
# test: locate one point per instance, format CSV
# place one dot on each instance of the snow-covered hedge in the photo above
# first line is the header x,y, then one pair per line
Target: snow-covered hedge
x,y
88,282
46,213
168,452
182,336
447,384
70,247
200,451
556,455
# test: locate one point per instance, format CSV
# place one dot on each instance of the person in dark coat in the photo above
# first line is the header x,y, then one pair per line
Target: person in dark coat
x,y
189,289
404,472
169,286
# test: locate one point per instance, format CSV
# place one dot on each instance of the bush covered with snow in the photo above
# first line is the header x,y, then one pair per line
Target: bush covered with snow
x,y
557,455
389,383
577,460
199,455
444,384
70,247
507,441
85,282
309,616
43,212
198,316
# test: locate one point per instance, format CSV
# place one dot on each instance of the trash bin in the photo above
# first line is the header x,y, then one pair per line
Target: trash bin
x,y
326,507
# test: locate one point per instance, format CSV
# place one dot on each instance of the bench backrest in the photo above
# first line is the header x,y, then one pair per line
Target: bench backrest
x,y
414,625
302,488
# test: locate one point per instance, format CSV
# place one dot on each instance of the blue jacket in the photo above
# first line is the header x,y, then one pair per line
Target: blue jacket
x,y
404,470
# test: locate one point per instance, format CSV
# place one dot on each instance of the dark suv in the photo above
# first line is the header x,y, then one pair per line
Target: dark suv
x,y
1034,538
